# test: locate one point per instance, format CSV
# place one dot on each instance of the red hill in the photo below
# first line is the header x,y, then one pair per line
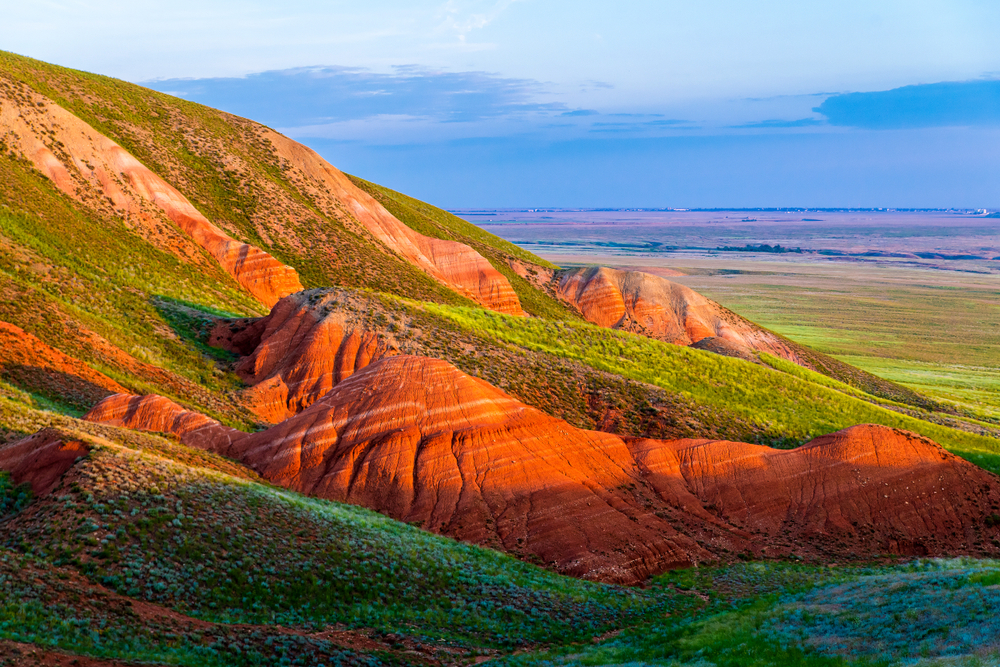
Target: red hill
x,y
418,440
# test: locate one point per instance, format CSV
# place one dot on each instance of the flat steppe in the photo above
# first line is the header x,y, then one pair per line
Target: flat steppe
x,y
930,323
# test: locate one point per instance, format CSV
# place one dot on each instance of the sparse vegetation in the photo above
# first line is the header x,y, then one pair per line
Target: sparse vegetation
x,y
919,613
228,550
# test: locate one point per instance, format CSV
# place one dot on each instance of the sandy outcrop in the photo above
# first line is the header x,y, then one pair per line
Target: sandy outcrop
x,y
297,353
656,307
454,264
82,162
32,364
41,459
416,439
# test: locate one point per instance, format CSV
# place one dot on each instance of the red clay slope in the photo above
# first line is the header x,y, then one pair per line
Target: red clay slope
x,y
296,354
78,159
452,263
420,441
655,307
31,364
41,459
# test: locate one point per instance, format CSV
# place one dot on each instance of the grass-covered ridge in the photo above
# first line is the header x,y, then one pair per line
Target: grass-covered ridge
x,y
227,168
777,401
231,550
67,275
440,224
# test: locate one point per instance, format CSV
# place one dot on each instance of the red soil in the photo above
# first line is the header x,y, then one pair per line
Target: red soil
x,y
161,415
296,354
29,363
18,653
654,306
452,263
81,161
41,459
418,440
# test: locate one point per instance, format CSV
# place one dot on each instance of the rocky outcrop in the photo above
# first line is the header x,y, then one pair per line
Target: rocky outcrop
x,y
83,162
161,415
33,365
420,441
653,306
297,354
41,459
454,264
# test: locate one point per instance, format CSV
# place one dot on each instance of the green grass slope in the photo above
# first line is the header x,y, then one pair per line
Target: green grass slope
x,y
224,166
923,613
65,272
796,406
437,223
155,521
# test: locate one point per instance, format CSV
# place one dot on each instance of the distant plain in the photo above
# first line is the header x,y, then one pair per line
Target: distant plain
x,y
911,296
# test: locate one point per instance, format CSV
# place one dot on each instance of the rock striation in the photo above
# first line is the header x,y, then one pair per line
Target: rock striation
x,y
297,353
454,264
161,415
82,162
656,307
416,439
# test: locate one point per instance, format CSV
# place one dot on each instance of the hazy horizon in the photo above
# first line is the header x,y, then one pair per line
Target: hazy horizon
x,y
519,102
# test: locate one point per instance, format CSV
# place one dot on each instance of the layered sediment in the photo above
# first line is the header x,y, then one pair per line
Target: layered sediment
x,y
88,166
416,439
656,307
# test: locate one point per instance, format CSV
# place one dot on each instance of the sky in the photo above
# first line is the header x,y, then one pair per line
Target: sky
x,y
536,103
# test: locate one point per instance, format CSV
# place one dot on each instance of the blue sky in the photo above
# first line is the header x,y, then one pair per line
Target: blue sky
x,y
470,103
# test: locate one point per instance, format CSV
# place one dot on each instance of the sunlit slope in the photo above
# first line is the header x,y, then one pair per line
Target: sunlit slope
x,y
783,404
156,521
529,275
229,169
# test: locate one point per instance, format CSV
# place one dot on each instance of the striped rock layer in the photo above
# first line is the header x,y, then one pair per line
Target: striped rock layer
x,y
451,263
658,308
416,439
297,353
82,162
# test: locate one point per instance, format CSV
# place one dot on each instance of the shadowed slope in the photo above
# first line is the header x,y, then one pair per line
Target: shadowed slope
x,y
416,439
30,363
83,163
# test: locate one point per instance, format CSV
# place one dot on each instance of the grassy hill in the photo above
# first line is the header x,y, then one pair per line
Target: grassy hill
x,y
152,551
155,552
152,520
91,285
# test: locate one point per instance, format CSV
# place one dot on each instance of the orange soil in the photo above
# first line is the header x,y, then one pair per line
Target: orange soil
x,y
296,354
418,440
81,162
28,362
654,306
452,263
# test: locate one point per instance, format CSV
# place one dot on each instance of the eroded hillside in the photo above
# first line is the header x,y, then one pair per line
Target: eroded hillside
x,y
264,345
